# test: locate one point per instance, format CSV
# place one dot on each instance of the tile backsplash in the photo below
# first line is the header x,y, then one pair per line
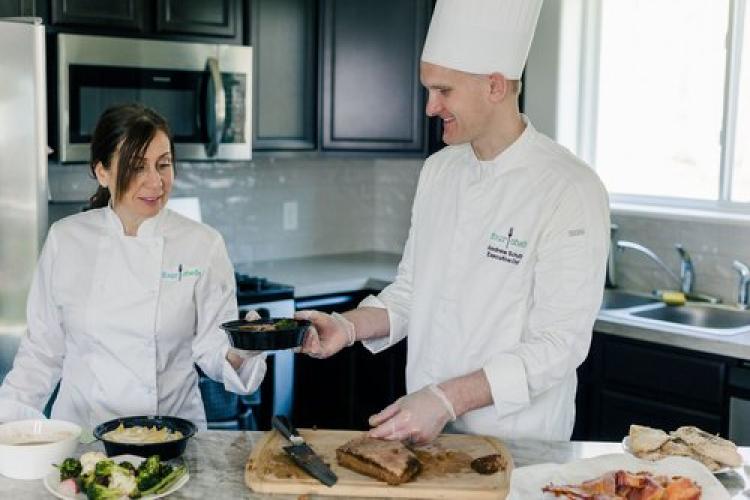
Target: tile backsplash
x,y
350,205
344,205
712,245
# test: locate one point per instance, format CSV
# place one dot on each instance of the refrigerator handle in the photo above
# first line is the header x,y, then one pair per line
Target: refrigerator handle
x,y
215,107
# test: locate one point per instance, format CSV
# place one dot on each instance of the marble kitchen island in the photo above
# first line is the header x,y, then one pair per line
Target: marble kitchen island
x,y
217,459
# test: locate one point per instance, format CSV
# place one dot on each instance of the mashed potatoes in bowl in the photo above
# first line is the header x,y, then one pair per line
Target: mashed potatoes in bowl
x,y
144,436
141,434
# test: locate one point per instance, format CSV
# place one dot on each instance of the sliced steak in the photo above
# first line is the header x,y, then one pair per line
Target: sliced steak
x,y
388,461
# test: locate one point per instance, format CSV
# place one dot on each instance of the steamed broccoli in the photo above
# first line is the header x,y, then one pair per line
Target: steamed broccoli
x,y
88,479
285,324
70,468
149,473
104,468
166,481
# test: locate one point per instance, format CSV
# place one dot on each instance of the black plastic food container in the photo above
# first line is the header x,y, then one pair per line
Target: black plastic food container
x,y
166,450
241,337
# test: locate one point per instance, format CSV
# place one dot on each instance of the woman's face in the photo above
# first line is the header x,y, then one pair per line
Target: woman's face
x,y
149,188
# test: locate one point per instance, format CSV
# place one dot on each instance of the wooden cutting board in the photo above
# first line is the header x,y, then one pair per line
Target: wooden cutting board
x,y
446,472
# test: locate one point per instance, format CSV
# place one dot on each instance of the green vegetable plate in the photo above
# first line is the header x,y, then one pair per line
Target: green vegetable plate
x,y
169,485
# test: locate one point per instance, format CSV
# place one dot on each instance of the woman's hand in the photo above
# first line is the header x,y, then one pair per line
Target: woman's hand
x,y
237,357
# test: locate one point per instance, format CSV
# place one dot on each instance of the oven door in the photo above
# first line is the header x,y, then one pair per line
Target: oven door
x,y
202,90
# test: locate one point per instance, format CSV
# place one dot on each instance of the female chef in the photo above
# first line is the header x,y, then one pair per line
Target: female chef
x,y
128,296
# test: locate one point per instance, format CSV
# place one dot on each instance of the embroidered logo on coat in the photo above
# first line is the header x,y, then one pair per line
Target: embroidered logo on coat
x,y
181,273
505,247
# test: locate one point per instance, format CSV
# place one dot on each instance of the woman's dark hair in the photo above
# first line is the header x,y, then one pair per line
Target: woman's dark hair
x,y
127,128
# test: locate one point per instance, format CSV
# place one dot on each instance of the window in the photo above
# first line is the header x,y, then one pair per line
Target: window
x,y
667,117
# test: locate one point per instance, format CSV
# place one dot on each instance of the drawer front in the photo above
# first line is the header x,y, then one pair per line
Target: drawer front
x,y
673,375
618,411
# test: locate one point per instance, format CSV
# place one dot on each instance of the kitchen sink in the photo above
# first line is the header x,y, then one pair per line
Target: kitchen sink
x,y
698,316
615,299
692,318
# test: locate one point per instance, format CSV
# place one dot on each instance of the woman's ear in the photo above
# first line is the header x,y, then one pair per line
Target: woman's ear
x,y
102,175
499,87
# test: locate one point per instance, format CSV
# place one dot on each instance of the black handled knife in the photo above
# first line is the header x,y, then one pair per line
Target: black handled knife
x,y
302,454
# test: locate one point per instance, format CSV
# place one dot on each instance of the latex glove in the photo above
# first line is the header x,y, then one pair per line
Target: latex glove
x,y
328,334
418,417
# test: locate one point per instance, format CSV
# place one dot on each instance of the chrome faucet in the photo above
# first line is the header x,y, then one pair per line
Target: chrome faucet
x,y
687,271
686,278
623,244
743,294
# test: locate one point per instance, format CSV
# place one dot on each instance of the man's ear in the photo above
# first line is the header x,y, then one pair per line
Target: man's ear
x,y
499,87
102,175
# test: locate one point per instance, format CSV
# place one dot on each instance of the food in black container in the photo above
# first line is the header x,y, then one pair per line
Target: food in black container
x,y
171,447
266,334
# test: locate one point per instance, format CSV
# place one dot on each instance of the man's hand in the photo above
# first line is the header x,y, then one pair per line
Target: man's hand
x,y
328,334
418,417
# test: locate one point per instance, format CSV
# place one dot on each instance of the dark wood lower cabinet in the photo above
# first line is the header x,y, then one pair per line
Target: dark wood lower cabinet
x,y
341,392
625,381
618,411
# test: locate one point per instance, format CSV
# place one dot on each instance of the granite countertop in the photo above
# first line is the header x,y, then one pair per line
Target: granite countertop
x,y
733,346
325,274
216,460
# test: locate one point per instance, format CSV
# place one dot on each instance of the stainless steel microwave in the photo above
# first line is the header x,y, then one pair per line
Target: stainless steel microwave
x,y
203,90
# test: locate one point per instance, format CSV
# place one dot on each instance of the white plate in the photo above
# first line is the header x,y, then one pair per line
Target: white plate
x,y
626,447
526,483
52,481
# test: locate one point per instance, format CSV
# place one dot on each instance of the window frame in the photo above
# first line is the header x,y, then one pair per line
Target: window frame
x,y
584,140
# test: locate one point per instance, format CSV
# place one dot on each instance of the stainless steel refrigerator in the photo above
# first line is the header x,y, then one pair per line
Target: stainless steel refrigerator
x,y
23,172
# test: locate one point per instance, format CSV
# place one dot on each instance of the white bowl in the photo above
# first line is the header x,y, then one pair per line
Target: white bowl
x,y
28,448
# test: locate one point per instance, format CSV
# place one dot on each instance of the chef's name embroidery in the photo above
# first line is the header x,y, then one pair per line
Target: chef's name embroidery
x,y
181,274
506,248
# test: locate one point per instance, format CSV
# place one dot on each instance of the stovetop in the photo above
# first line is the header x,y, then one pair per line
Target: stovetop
x,y
253,289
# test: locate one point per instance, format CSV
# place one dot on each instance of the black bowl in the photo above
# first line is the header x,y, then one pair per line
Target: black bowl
x,y
166,450
242,337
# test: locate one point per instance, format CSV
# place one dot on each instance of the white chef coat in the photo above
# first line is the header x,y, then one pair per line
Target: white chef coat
x,y
503,270
122,320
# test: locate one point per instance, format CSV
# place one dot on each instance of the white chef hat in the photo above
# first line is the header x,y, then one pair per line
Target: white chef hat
x,y
482,36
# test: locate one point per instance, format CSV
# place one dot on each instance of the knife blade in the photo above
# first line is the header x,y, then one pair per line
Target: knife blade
x,y
302,454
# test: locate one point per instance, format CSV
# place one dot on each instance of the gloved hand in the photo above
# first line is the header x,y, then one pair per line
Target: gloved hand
x,y
238,357
418,417
328,334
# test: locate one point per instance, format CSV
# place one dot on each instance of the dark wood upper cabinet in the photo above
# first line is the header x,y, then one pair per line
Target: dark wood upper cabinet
x,y
217,21
199,17
122,14
17,8
284,36
371,95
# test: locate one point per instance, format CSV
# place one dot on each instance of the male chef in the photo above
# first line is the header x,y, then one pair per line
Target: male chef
x,y
502,273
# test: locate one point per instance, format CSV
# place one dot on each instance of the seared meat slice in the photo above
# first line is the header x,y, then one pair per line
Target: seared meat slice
x,y
388,461
489,464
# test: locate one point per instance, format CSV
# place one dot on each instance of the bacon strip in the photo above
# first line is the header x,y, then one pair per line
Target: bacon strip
x,y
624,485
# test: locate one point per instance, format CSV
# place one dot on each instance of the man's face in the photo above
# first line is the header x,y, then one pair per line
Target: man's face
x,y
459,99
